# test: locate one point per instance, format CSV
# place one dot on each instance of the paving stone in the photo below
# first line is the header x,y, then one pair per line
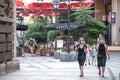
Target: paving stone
x,y
57,54
49,68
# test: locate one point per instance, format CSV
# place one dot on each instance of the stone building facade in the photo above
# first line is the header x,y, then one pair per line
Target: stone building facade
x,y
8,63
102,9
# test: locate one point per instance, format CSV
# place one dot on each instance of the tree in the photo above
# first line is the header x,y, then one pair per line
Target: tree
x,y
93,27
36,29
83,15
51,34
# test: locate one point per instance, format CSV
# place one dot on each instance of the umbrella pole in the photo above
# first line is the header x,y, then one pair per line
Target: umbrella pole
x,y
56,27
68,40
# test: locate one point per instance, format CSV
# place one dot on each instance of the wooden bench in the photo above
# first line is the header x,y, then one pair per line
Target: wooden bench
x,y
114,49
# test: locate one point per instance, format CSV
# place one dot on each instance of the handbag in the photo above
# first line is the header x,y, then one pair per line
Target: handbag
x,y
99,56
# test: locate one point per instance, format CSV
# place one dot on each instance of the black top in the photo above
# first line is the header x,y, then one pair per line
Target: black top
x,y
101,49
81,51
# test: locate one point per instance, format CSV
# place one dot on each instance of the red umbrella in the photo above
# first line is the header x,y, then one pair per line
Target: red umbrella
x,y
39,5
88,3
75,4
19,3
33,5
46,5
63,5
41,9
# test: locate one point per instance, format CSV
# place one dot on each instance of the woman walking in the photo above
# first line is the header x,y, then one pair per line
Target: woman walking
x,y
81,55
102,56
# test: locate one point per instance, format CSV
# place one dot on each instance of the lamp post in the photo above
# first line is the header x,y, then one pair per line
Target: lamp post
x,y
19,20
56,2
68,40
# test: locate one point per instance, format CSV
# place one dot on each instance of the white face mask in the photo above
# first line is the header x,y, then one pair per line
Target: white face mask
x,y
82,42
101,42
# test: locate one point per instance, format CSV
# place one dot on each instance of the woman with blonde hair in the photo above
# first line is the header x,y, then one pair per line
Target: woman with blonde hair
x,y
81,55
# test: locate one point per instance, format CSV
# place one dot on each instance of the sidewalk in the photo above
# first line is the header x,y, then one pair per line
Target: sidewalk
x,y
48,68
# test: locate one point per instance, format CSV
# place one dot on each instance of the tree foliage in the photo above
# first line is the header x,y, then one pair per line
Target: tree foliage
x,y
36,29
93,27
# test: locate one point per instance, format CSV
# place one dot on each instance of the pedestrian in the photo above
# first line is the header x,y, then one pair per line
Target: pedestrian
x,y
100,38
75,44
31,44
21,46
35,46
81,55
87,61
94,55
51,49
101,57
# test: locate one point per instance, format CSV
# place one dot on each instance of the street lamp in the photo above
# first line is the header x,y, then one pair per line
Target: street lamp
x,y
68,26
68,40
56,2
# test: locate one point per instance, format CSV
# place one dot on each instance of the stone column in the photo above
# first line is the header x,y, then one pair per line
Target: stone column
x,y
8,63
118,21
14,28
116,27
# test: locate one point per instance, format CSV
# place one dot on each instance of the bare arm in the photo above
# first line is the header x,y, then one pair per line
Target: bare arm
x,y
107,52
76,47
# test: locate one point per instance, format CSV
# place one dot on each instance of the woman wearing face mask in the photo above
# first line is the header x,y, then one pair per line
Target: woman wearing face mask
x,y
81,55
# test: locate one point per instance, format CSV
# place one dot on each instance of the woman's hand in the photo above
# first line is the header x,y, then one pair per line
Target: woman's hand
x,y
76,48
108,57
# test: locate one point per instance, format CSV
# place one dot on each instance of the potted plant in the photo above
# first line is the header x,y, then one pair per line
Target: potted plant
x,y
42,51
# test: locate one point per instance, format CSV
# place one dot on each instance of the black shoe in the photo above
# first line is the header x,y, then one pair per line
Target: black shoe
x,y
99,73
103,76
81,75
89,63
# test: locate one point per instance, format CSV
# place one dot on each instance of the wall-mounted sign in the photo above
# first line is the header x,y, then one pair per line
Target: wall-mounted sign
x,y
112,17
59,43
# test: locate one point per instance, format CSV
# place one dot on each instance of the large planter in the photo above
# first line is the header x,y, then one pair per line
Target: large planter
x,y
64,56
43,52
26,49
37,52
57,54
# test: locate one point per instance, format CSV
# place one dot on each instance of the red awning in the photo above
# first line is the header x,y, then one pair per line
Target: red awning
x,y
47,9
88,3
33,5
63,5
19,3
39,5
46,5
75,4
41,9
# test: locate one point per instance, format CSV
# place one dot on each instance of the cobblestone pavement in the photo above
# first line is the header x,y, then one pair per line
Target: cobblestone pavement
x,y
49,68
